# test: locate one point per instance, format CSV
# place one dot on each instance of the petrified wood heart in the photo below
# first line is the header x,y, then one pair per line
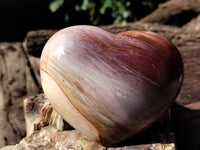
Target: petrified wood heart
x,y
110,86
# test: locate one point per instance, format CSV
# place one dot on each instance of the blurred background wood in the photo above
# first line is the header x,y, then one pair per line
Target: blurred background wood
x,y
186,36
18,80
171,8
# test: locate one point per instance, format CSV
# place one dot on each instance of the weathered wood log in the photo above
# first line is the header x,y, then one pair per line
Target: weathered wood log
x,y
34,43
190,91
171,8
39,113
180,37
16,83
32,110
186,114
72,139
33,64
11,89
193,25
165,30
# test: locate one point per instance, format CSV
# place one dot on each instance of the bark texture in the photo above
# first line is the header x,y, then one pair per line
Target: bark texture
x,y
179,36
35,40
171,8
17,82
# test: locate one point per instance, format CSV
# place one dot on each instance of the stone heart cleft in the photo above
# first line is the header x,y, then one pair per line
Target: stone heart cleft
x,y
110,86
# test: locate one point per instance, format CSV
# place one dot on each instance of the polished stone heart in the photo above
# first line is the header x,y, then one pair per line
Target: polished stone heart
x,y
110,86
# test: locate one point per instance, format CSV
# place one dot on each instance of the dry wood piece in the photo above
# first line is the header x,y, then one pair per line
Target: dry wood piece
x,y
186,119
171,8
33,78
165,30
39,113
179,36
35,40
32,110
48,138
12,89
9,147
193,25
186,38
15,82
193,106
32,46
190,91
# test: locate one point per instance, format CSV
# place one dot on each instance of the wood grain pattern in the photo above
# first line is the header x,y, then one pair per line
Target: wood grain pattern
x,y
16,83
190,91
171,8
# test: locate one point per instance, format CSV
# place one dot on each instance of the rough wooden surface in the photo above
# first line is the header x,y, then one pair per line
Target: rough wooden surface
x,y
171,8
39,113
10,93
16,83
32,110
193,25
190,91
30,43
179,36
33,40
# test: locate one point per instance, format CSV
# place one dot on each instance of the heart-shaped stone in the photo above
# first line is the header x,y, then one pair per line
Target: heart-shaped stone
x,y
110,86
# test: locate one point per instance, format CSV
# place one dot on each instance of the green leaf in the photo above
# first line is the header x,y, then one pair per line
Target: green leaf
x,y
106,4
128,3
66,17
77,7
96,20
118,20
126,14
87,4
55,5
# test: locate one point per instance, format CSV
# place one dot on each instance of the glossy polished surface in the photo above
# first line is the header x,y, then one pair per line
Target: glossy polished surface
x,y
110,86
